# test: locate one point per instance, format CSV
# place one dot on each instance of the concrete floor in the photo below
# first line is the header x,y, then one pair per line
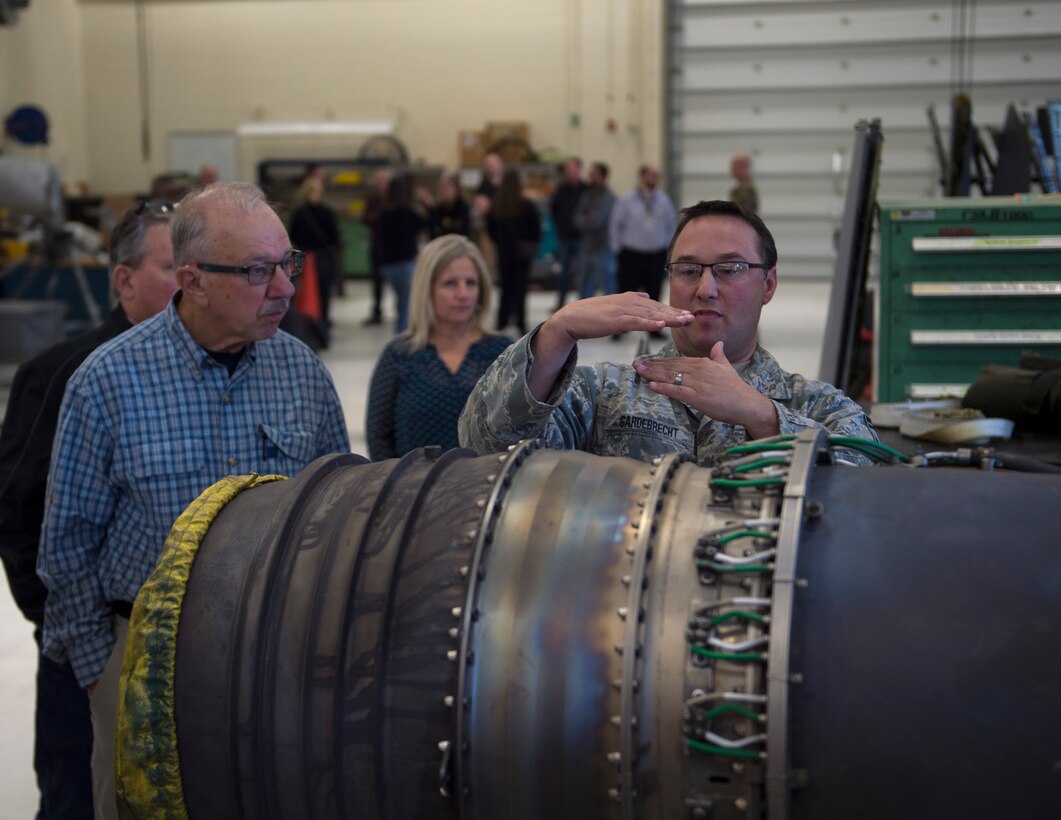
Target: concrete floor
x,y
792,328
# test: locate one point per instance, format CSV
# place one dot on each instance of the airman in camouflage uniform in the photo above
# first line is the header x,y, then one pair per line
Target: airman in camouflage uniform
x,y
688,398
608,409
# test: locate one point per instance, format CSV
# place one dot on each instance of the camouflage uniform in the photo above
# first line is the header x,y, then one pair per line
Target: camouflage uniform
x,y
608,409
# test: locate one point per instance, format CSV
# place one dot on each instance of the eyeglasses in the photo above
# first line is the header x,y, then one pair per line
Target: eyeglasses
x,y
154,207
262,272
689,273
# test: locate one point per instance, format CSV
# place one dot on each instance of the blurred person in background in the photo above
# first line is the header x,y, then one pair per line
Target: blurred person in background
x,y
640,228
381,179
315,230
744,193
493,171
142,276
425,374
592,213
208,174
515,227
449,213
400,227
563,205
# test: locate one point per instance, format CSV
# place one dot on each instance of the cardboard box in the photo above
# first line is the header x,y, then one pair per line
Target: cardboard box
x,y
499,130
470,149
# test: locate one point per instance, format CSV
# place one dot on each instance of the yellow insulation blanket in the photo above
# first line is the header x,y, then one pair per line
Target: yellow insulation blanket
x,y
146,761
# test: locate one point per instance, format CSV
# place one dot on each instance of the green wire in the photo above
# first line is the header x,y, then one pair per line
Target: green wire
x,y
745,482
718,750
733,536
740,710
862,443
731,568
763,462
728,656
737,613
757,447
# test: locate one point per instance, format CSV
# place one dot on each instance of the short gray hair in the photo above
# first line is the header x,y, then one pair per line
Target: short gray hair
x,y
128,244
190,225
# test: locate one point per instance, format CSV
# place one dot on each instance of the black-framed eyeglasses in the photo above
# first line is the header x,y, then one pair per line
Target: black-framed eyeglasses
x,y
155,207
689,273
262,272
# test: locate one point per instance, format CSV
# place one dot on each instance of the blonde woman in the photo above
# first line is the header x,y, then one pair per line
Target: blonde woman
x,y
424,375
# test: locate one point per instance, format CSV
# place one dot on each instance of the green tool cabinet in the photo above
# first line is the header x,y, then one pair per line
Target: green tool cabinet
x,y
964,282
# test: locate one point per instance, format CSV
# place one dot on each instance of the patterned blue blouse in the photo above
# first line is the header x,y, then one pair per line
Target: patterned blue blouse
x,y
414,400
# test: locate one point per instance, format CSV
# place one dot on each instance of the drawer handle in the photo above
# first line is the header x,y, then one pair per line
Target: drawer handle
x,y
985,337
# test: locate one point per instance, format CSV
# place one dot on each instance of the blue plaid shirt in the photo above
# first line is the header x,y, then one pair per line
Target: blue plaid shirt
x,y
148,422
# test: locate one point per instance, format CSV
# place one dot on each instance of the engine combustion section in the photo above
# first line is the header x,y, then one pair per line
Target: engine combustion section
x,y
547,634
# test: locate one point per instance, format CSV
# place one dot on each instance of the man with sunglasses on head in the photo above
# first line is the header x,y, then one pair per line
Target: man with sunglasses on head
x,y
710,388
207,388
142,278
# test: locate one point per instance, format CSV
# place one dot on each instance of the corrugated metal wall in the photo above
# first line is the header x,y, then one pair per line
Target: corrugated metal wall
x,y
786,82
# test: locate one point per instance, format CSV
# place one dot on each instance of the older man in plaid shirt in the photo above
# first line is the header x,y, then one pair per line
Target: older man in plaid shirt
x,y
205,389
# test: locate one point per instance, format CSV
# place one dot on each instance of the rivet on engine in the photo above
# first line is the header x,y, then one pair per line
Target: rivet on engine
x,y
448,701
626,580
631,549
635,684
452,654
618,683
796,677
480,503
492,477
802,583
456,612
613,757
618,649
657,461
443,745
741,803
454,632
463,572
617,720
613,793
621,612
738,767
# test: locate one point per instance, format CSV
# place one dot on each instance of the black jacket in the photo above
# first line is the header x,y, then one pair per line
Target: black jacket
x,y
26,450
563,205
